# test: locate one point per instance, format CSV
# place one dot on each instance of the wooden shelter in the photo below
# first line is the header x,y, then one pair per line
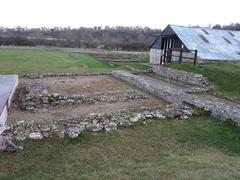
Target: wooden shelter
x,y
179,43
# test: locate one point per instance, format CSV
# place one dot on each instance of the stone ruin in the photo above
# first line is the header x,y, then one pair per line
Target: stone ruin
x,y
224,111
73,127
184,102
35,97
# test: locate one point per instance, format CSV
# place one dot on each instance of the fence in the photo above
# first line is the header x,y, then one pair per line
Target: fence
x,y
168,55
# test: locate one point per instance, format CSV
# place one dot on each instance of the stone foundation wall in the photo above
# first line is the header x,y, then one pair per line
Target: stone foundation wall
x,y
35,97
72,127
233,99
182,76
45,75
221,111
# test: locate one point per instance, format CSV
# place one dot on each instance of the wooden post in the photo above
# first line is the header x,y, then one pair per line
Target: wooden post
x,y
180,56
165,50
160,60
195,57
169,55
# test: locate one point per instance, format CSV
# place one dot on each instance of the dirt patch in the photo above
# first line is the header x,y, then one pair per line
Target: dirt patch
x,y
81,84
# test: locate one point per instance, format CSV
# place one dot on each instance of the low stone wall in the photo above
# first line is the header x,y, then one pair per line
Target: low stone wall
x,y
72,127
185,87
233,99
45,75
6,145
221,111
48,75
35,97
182,76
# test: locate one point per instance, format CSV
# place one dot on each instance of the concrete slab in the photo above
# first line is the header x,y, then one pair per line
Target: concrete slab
x,y
8,85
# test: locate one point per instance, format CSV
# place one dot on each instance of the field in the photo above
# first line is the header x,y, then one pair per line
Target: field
x,y
199,148
21,61
224,76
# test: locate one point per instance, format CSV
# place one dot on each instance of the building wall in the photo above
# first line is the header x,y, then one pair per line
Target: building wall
x,y
155,55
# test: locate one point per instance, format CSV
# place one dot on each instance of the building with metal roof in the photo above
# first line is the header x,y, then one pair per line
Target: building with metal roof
x,y
210,44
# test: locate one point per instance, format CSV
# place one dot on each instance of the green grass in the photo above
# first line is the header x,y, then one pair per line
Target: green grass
x,y
225,76
200,148
21,61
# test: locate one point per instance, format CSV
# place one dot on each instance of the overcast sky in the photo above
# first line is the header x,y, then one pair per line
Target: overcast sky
x,y
88,13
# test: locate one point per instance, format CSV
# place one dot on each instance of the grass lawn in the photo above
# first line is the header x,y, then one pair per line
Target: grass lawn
x,y
225,76
199,148
21,61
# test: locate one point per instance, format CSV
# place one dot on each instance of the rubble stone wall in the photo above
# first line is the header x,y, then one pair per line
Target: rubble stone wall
x,y
35,97
182,76
45,75
72,127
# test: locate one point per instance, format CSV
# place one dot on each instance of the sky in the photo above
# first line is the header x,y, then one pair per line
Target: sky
x,y
89,13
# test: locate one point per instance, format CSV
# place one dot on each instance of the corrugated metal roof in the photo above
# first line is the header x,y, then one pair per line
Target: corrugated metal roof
x,y
212,44
156,44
